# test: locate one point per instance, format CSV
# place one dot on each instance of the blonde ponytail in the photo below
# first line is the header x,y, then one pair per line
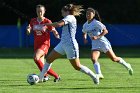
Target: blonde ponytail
x,y
75,10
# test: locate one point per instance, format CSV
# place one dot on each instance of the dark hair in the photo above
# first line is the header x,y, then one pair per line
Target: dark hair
x,y
97,16
73,9
39,6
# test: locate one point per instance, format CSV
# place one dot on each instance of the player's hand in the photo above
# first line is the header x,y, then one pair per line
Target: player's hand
x,y
57,36
28,29
85,41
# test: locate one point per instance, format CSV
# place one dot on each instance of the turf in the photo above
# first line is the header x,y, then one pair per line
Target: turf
x,y
15,68
13,74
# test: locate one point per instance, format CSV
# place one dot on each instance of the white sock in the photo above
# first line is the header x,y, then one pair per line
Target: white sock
x,y
97,68
87,71
46,67
123,63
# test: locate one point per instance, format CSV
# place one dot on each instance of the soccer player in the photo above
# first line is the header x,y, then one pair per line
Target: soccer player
x,y
68,44
96,31
42,39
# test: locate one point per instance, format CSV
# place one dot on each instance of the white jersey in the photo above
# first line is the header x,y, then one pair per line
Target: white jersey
x,y
69,30
95,28
68,44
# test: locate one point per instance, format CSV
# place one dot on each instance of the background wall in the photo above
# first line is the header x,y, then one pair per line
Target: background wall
x,y
122,18
119,35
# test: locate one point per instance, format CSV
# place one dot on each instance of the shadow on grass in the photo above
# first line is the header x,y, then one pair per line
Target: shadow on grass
x,y
12,83
99,88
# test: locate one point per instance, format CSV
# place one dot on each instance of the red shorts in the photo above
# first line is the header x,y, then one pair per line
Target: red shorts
x,y
43,47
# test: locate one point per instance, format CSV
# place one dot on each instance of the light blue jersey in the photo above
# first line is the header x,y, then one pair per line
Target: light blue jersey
x,y
69,30
95,28
68,44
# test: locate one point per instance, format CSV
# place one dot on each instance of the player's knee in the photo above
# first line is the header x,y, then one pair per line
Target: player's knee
x,y
93,60
114,59
36,58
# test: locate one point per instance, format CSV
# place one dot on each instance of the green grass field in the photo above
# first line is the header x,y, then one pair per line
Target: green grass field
x,y
14,69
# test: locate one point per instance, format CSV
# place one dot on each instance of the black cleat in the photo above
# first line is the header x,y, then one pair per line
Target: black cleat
x,y
57,79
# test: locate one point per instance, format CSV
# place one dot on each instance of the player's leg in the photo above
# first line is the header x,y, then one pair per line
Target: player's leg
x,y
55,53
94,57
39,59
72,53
46,77
50,72
114,58
53,73
76,64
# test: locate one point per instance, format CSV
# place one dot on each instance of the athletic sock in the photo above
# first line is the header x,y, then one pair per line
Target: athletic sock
x,y
39,64
97,67
52,73
87,71
46,67
123,63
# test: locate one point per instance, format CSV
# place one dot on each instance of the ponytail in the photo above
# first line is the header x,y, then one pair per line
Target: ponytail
x,y
97,16
75,10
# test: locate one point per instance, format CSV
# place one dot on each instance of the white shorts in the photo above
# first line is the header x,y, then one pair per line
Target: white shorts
x,y
102,46
72,51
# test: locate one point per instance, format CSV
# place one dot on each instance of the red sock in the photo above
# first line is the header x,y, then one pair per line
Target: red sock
x,y
39,64
50,72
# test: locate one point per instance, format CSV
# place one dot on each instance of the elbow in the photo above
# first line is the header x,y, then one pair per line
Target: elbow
x,y
106,31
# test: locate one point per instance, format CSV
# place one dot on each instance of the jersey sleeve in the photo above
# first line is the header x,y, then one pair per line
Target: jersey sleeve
x,y
50,28
31,23
67,19
101,26
83,29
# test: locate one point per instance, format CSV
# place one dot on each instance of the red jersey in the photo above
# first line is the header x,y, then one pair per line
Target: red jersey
x,y
41,32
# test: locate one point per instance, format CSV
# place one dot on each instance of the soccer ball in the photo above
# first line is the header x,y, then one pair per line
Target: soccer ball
x,y
32,79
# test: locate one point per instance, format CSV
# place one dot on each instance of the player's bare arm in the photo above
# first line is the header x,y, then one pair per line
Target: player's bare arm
x,y
56,34
56,24
85,38
28,29
105,31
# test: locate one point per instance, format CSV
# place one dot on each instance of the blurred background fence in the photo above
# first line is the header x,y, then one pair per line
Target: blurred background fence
x,y
121,17
12,36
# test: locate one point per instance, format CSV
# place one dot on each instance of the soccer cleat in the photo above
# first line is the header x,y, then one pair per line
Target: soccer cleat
x,y
57,79
100,76
96,80
40,81
129,68
46,78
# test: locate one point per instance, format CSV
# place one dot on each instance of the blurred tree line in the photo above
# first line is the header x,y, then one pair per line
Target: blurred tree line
x,y
111,11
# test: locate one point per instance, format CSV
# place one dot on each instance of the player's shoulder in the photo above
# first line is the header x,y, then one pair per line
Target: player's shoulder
x,y
33,19
70,17
85,24
47,20
96,22
99,24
